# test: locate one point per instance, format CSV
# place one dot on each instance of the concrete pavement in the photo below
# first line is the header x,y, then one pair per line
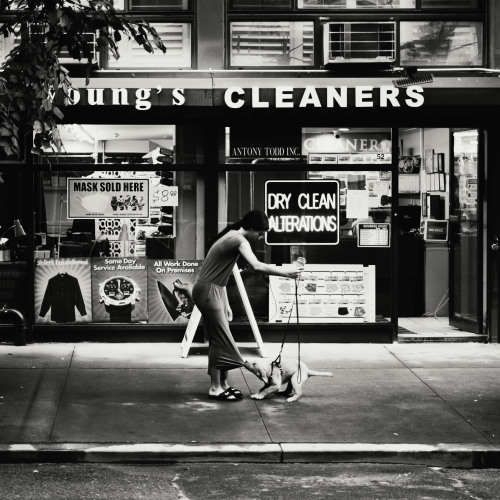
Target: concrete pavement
x,y
433,404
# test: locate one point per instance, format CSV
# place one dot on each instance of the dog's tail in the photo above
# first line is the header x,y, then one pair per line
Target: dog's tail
x,y
314,373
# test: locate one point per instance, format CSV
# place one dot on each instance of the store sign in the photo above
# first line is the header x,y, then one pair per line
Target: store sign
x,y
264,142
302,212
362,96
376,145
117,198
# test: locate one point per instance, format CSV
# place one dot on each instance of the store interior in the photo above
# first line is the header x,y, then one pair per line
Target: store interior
x,y
432,163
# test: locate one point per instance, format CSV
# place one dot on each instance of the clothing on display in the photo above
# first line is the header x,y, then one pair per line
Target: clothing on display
x,y
62,295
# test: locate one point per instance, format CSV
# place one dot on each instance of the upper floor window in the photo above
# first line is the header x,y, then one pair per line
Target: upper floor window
x,y
176,38
270,43
439,43
450,4
260,4
351,4
356,4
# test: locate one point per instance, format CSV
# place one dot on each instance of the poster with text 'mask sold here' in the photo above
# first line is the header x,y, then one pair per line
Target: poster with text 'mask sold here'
x,y
117,198
63,291
169,284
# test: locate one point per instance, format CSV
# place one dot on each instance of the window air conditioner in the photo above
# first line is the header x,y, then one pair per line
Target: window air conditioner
x,y
359,42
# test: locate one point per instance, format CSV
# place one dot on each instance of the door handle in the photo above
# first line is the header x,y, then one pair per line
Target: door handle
x,y
496,244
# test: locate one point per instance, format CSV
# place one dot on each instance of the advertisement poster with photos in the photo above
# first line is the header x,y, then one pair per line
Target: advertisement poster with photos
x,y
169,282
119,289
325,294
63,291
92,197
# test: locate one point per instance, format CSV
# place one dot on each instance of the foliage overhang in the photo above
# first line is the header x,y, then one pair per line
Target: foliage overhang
x,y
32,73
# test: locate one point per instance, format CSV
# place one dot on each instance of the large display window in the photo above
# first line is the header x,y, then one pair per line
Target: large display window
x,y
117,246
119,238
331,206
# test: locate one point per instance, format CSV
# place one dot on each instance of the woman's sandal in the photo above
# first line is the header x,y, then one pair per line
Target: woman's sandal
x,y
227,395
236,392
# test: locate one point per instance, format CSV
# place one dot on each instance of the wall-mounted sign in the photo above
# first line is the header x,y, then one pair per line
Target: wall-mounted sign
x,y
302,212
117,198
279,97
436,230
264,142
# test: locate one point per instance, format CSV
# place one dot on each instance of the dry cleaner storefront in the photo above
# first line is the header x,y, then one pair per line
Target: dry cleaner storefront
x,y
380,188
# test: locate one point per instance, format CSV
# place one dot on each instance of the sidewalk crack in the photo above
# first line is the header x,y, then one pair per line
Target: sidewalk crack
x,y
443,400
62,393
258,409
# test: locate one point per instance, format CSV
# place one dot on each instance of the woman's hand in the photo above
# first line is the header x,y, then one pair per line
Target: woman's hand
x,y
229,313
295,273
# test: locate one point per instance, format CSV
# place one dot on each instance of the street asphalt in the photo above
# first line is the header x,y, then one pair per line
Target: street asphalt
x,y
431,404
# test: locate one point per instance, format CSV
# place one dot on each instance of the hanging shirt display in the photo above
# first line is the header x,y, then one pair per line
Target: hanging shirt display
x,y
62,295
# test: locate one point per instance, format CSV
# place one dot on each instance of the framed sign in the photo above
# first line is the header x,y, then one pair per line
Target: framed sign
x,y
436,230
302,212
374,235
117,198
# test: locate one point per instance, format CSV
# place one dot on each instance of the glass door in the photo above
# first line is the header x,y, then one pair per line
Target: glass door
x,y
466,233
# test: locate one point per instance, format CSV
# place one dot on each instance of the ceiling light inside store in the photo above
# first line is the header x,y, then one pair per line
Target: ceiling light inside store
x,y
343,130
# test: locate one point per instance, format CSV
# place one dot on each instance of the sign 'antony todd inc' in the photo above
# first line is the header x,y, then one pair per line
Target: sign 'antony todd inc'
x,y
302,212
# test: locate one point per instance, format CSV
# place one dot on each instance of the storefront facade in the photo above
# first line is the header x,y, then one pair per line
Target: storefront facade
x,y
385,187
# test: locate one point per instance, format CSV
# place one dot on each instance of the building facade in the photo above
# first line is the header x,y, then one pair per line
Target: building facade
x,y
366,129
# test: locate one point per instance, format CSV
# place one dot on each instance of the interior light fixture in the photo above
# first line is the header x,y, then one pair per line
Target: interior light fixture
x,y
18,230
343,129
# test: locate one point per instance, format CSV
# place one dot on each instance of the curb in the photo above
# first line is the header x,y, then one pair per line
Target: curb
x,y
442,455
139,453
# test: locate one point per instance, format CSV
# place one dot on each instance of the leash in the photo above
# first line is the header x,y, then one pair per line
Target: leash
x,y
277,361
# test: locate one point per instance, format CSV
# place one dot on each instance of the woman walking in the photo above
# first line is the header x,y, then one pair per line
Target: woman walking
x,y
210,296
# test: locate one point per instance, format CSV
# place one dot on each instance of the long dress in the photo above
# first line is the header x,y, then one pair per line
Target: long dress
x,y
209,297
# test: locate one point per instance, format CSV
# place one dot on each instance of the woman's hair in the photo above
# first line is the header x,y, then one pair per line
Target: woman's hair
x,y
255,219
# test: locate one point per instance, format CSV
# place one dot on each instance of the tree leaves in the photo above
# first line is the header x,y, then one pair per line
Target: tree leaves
x,y
34,84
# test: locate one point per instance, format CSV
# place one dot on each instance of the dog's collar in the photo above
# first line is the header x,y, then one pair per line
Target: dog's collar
x,y
277,364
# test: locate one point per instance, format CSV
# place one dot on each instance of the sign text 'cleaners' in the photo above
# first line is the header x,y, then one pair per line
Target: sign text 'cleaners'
x,y
302,212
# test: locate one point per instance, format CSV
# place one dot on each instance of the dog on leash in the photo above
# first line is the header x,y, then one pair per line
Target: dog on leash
x,y
275,376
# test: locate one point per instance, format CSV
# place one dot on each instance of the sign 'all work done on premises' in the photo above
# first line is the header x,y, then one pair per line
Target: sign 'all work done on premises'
x,y
302,212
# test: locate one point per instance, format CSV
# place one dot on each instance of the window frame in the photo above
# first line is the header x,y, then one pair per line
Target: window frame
x,y
106,56
315,54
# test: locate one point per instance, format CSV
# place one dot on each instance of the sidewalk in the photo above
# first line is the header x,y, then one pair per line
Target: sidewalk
x,y
433,404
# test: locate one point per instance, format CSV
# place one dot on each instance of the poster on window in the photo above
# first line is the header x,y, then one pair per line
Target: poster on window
x,y
169,290
119,289
63,292
325,294
92,198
